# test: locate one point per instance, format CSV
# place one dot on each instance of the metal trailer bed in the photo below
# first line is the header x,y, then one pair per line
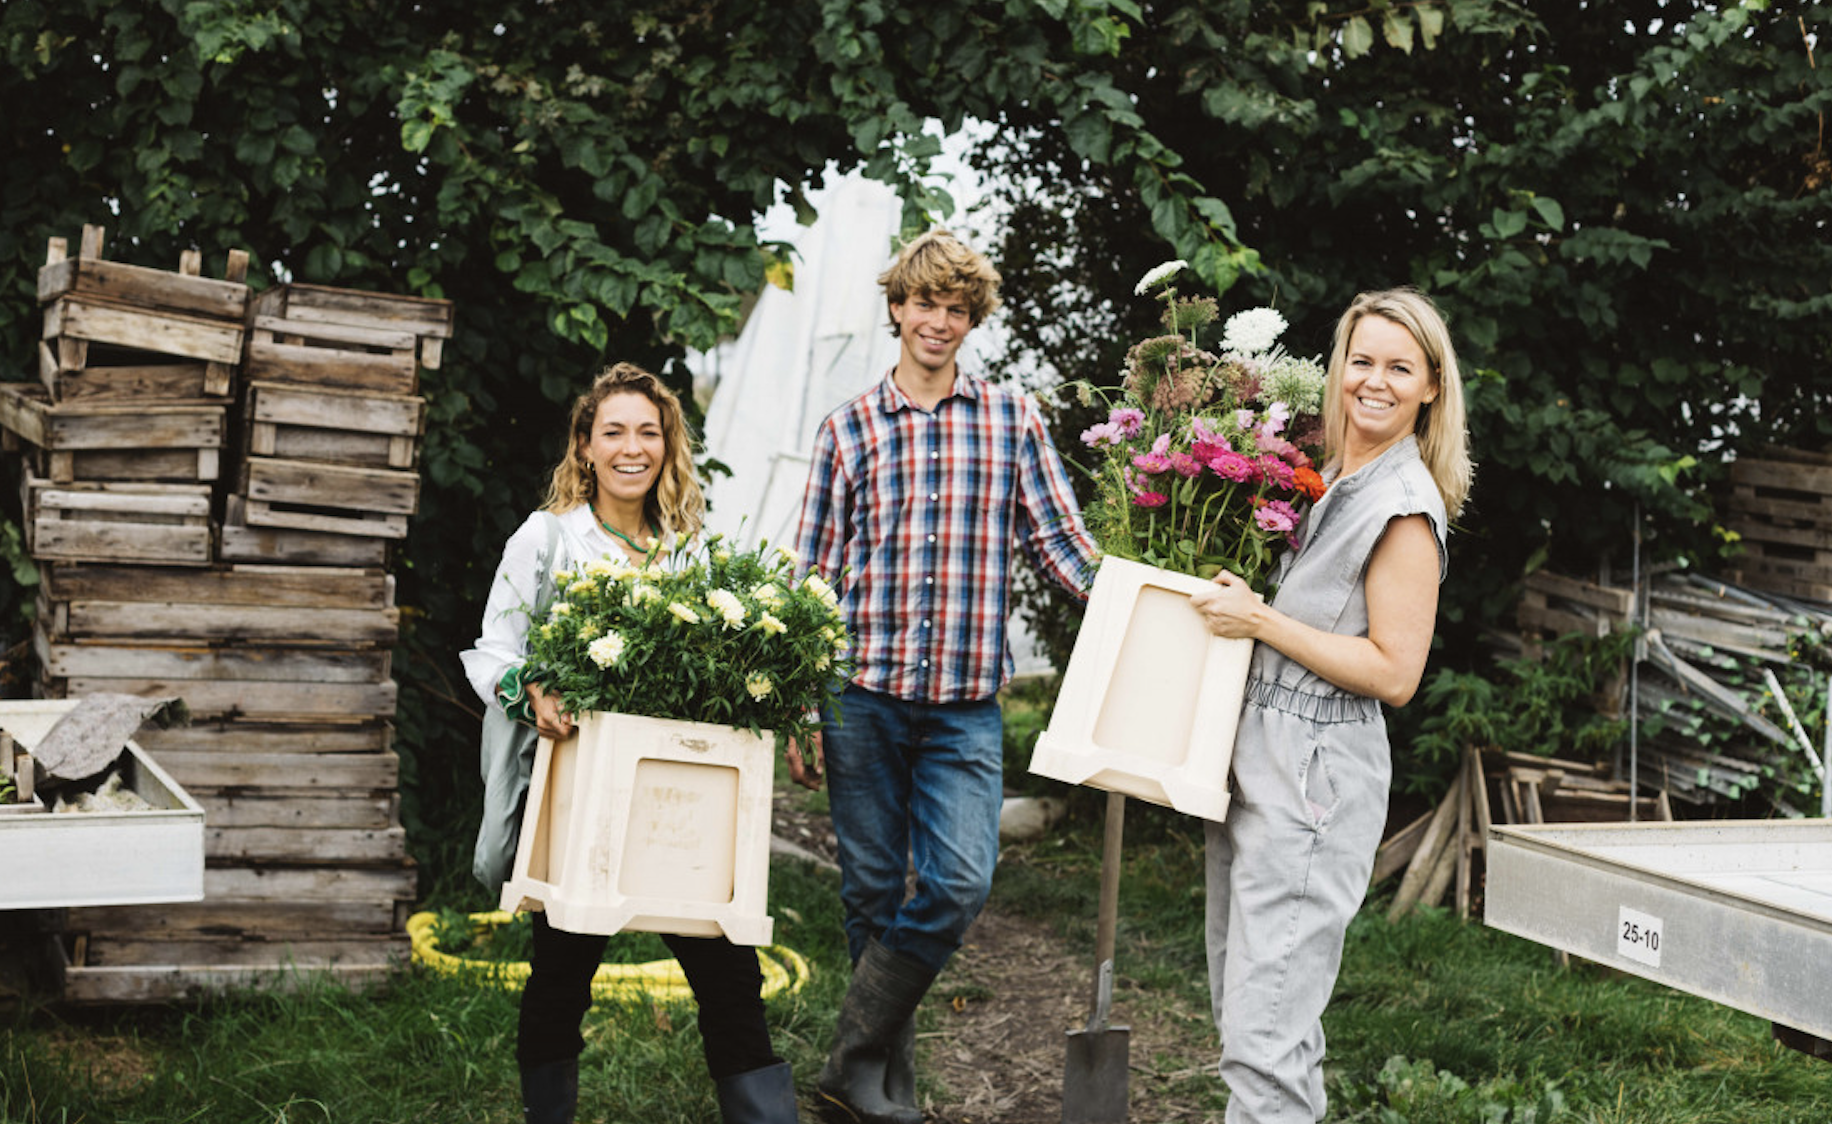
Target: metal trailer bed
x,y
1738,912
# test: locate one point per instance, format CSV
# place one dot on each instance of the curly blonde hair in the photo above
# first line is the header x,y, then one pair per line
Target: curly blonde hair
x,y
936,263
1442,428
675,505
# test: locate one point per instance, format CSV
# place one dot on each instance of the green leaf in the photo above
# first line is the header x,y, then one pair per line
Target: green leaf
x,y
1431,24
1550,212
1397,30
416,134
1357,37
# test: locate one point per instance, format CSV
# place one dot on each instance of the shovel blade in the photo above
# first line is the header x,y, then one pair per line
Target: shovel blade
x,y
1094,1077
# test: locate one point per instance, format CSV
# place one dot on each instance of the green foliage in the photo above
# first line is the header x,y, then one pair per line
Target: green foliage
x,y
708,635
1417,1092
581,184
1557,705
1621,209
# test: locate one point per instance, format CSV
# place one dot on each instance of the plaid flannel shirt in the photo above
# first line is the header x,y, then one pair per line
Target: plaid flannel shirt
x,y
913,516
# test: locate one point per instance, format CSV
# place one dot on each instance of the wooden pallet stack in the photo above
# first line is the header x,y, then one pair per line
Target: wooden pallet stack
x,y
278,635
1781,504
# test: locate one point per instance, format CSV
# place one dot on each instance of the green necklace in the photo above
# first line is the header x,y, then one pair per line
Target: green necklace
x,y
633,544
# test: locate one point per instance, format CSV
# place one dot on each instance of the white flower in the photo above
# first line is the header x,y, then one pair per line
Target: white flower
x,y
682,612
562,576
768,596
643,592
1159,273
815,585
759,686
583,585
560,609
788,556
771,625
588,629
1252,331
728,606
721,556
605,650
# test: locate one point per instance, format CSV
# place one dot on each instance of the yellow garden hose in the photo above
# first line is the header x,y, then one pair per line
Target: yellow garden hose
x,y
784,969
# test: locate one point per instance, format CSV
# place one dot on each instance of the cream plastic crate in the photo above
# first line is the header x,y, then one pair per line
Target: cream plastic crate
x,y
1151,698
100,858
648,824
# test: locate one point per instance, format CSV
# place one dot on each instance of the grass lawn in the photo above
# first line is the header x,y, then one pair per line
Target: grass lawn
x,y
1434,1020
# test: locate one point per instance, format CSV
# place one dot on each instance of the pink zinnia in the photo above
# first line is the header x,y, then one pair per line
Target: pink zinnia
x,y
1276,516
1185,464
1230,465
1128,419
1276,471
1157,460
1206,449
1151,499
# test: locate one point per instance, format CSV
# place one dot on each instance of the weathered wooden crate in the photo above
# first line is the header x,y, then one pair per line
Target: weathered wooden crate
x,y
90,521
74,371
241,541
1781,505
92,320
333,425
376,360
426,319
348,608
308,496
115,440
186,291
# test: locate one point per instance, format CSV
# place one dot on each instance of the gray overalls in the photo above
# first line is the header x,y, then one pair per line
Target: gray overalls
x,y
1289,867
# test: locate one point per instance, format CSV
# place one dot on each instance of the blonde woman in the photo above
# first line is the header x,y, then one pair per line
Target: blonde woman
x,y
625,487
1348,629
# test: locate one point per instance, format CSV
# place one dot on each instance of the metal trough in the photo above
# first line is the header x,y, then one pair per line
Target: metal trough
x,y
1738,912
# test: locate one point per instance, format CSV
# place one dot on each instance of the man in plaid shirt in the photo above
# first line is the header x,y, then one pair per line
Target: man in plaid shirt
x,y
920,491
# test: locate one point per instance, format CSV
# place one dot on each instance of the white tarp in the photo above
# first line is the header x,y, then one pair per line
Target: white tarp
x,y
803,353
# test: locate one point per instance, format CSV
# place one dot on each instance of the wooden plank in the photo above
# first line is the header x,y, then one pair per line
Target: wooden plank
x,y
275,362
316,772
1530,617
28,411
309,884
168,984
364,490
255,664
176,466
257,699
318,333
362,450
1782,475
141,286
1796,507
168,333
318,845
330,408
239,542
236,807
70,540
243,584
299,517
1397,849
272,920
261,737
423,316
1617,602
1808,537
107,950
150,620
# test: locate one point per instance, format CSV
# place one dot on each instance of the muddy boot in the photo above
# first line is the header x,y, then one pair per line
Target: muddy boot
x,y
885,991
550,1092
900,1067
759,1096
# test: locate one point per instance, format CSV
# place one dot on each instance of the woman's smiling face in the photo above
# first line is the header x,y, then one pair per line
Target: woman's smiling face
x,y
1386,381
627,446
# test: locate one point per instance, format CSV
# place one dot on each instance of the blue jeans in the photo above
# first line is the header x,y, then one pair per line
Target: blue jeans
x,y
913,783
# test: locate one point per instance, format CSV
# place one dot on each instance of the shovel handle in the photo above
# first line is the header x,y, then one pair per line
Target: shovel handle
x,y
1108,920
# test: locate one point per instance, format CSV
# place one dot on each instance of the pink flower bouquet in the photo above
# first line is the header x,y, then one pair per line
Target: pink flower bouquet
x,y
1207,454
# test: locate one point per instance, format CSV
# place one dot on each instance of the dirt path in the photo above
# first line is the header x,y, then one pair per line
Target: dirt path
x,y
992,1051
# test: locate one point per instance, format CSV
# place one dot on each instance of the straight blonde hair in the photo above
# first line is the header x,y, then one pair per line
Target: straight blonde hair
x,y
1441,427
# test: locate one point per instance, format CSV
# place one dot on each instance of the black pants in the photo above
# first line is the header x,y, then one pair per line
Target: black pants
x,y
726,982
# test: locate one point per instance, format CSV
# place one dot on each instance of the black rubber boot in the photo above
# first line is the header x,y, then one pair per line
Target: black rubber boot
x,y
882,998
759,1096
900,1067
550,1092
